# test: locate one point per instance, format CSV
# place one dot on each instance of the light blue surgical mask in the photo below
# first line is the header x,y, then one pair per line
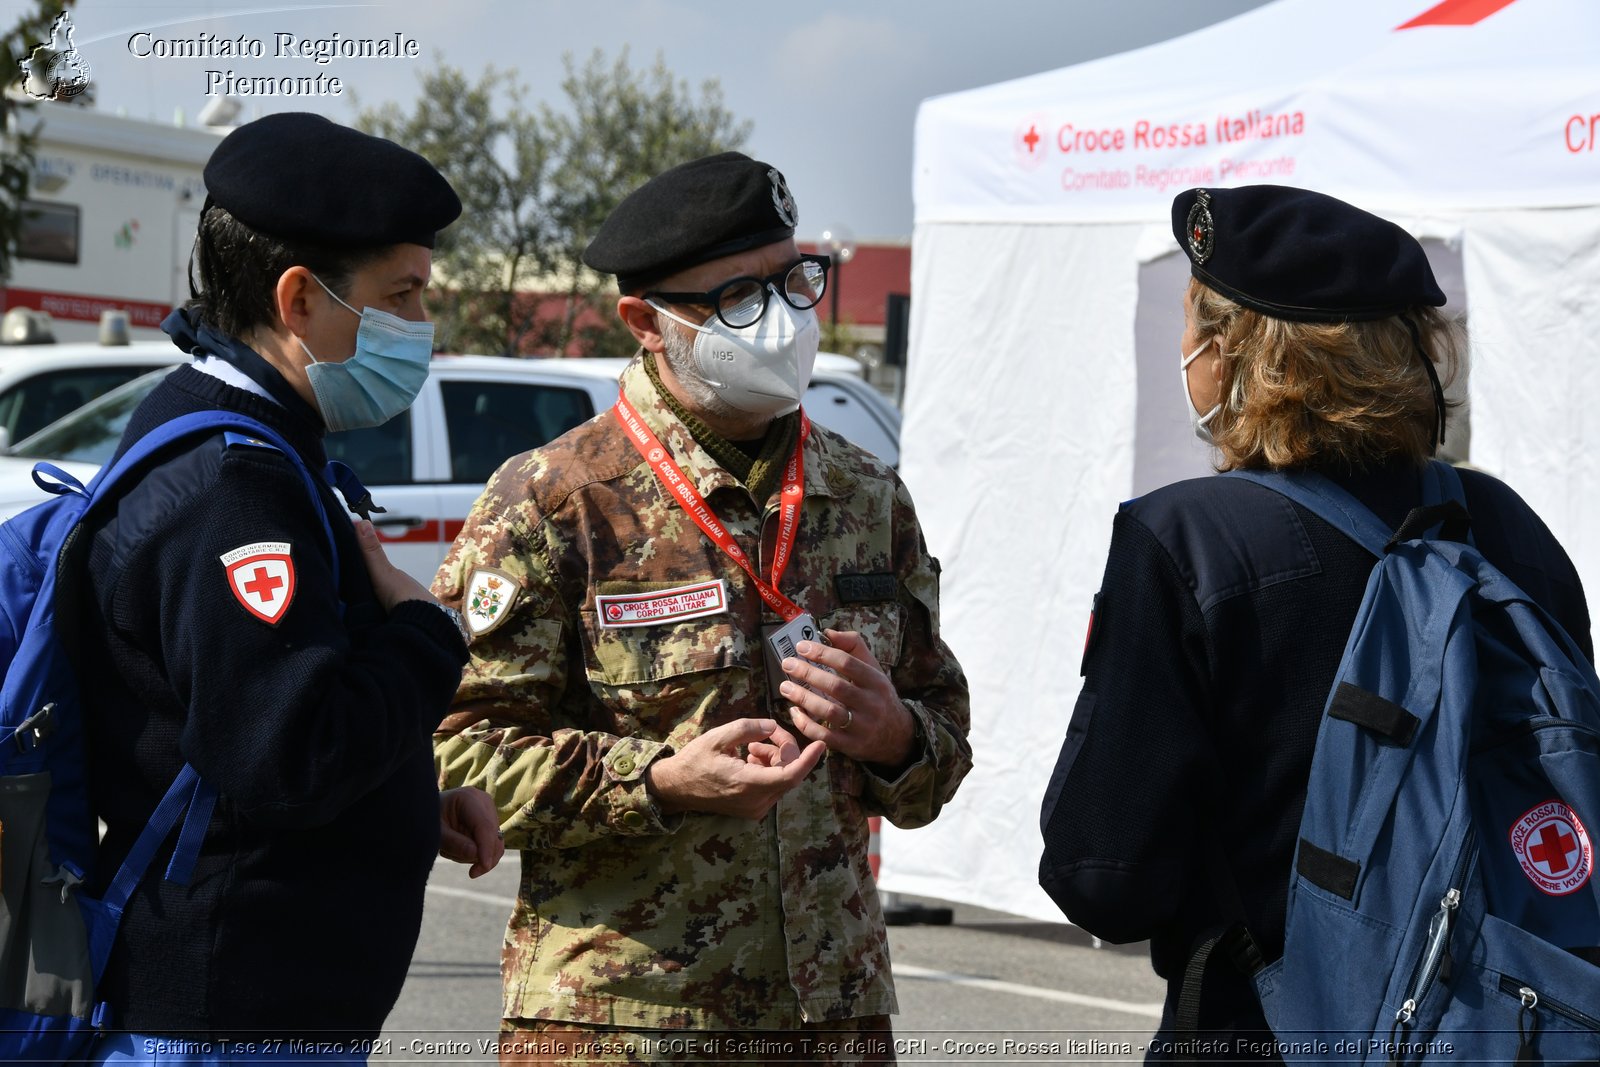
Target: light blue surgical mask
x,y
383,377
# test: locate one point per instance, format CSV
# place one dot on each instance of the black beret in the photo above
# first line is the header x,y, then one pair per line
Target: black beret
x,y
1302,256
299,177
696,212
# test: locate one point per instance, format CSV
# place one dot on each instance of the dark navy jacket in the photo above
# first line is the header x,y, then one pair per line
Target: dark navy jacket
x,y
1217,632
307,900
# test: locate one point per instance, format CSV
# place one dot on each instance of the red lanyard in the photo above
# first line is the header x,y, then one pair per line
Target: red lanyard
x,y
691,501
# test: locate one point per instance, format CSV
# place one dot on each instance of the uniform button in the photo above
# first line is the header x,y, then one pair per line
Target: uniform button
x,y
633,820
624,765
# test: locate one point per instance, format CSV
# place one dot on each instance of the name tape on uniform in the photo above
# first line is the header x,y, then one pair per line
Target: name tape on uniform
x,y
662,605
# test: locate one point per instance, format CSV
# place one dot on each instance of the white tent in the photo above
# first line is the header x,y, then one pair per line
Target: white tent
x,y
1043,365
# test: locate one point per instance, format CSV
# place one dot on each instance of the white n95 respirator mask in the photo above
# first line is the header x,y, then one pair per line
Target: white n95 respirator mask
x,y
763,368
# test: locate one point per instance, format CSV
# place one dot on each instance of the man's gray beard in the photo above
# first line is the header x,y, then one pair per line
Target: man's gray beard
x,y
705,400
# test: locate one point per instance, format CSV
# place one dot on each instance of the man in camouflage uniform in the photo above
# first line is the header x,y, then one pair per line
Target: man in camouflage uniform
x,y
687,865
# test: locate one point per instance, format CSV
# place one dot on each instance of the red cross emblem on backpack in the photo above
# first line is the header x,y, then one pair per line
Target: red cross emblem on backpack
x,y
261,576
1553,847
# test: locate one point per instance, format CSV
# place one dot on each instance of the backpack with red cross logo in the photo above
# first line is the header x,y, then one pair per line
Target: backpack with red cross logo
x,y
56,937
1443,904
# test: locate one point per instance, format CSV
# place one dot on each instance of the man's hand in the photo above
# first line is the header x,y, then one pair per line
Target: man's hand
x,y
712,774
469,830
390,583
855,709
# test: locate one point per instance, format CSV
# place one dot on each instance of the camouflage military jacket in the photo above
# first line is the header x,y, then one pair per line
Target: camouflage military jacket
x,y
697,921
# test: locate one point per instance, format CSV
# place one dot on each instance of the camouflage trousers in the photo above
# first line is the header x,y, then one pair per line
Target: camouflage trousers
x,y
555,1043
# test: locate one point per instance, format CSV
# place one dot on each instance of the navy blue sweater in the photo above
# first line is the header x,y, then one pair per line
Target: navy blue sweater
x,y
307,900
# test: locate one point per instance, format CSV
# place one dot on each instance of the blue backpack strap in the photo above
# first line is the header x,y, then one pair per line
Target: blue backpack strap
x,y
357,497
179,798
1441,483
202,802
1335,505
265,438
211,422
1326,499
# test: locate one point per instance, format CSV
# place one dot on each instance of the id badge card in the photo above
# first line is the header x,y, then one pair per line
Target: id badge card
x,y
779,644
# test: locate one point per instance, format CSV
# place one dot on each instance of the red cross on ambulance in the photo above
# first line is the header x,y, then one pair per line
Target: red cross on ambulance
x,y
261,578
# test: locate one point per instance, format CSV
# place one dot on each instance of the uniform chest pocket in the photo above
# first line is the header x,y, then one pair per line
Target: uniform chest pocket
x,y
632,655
881,625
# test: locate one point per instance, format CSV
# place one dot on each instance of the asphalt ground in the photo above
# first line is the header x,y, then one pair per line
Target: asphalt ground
x,y
990,988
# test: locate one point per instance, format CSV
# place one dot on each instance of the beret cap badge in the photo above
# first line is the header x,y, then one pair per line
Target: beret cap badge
x,y
1202,228
782,199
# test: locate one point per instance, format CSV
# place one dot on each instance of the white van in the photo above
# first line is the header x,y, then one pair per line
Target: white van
x,y
110,218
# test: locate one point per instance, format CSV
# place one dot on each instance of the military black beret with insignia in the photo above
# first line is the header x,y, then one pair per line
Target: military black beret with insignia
x,y
1299,255
696,212
300,177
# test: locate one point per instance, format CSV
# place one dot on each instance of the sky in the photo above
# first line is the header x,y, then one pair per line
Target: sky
x,y
831,86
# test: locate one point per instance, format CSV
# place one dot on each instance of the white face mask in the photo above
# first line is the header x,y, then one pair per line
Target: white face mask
x,y
761,369
1201,424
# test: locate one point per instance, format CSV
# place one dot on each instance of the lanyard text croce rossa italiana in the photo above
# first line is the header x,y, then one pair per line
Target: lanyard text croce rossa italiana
x,y
689,498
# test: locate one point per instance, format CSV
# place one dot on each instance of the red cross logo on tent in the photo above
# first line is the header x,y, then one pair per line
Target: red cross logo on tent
x,y
261,578
1553,847
1028,143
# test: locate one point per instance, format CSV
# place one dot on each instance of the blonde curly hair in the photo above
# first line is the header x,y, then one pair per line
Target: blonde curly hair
x,y
1295,394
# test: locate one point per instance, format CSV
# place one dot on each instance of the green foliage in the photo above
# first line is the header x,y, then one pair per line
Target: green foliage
x,y
536,183
17,143
497,156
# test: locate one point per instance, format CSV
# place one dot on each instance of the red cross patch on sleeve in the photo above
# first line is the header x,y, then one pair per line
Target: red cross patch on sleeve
x,y
261,576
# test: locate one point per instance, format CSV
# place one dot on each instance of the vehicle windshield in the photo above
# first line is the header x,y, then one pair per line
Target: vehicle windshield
x,y
90,434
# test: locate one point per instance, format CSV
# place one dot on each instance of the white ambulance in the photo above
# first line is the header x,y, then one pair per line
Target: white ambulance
x,y
111,216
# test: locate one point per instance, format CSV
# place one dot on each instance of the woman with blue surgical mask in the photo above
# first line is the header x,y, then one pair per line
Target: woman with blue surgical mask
x,y
242,627
380,378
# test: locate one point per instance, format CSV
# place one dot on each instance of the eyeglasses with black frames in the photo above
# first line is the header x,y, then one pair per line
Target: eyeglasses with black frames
x,y
741,302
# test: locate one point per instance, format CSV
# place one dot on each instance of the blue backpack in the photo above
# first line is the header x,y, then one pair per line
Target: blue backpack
x,y
1444,904
55,939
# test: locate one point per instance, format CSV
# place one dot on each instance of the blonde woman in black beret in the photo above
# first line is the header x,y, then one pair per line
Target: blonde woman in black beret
x,y
1312,340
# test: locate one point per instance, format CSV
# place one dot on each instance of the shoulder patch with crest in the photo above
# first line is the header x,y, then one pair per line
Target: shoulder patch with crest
x,y
490,595
261,578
